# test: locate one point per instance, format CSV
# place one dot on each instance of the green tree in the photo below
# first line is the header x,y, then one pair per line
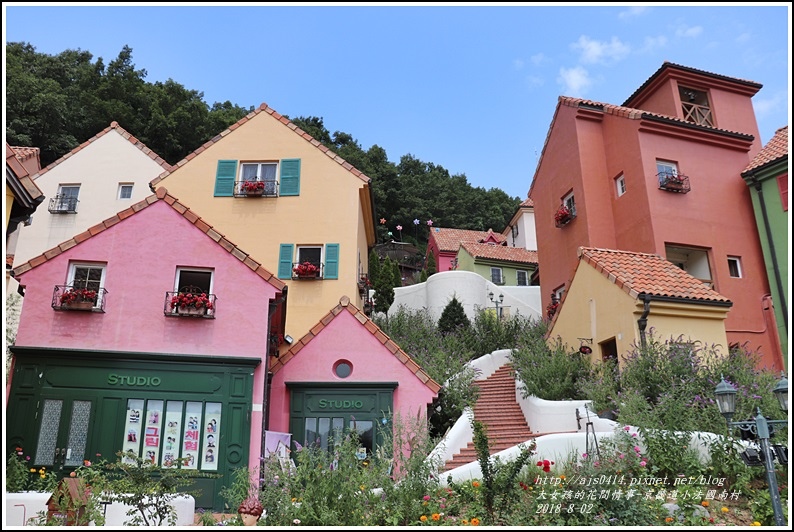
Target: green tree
x,y
453,317
384,287
431,264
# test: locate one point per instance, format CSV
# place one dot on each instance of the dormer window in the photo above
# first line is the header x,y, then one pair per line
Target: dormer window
x,y
695,106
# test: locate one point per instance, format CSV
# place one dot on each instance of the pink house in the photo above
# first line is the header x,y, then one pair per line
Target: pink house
x,y
344,374
444,243
104,362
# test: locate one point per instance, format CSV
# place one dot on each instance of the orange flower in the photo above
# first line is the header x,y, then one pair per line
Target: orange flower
x,y
724,509
668,519
423,518
464,522
475,484
705,503
436,517
475,521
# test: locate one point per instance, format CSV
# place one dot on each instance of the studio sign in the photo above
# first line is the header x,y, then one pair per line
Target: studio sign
x,y
340,404
132,380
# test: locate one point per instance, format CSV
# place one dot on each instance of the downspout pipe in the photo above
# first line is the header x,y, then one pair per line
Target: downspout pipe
x,y
642,321
772,252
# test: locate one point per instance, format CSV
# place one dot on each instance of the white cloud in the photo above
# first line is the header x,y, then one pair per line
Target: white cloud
x,y
688,31
651,44
518,64
600,52
533,81
632,12
575,81
744,37
539,59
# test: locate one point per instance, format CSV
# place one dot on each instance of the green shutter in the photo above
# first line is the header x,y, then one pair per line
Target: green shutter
x,y
285,261
290,184
331,261
224,178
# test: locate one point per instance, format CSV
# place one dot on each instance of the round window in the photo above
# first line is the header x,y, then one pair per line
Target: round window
x,y
343,369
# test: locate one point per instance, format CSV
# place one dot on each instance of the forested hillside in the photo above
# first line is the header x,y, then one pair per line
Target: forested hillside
x,y
56,102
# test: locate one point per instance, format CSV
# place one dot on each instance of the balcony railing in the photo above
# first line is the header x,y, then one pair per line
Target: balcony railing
x,y
63,205
364,285
564,215
67,297
307,271
673,182
698,114
190,302
256,189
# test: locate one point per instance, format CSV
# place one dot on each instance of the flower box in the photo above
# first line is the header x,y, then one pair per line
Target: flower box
x,y
191,311
563,216
67,297
306,270
252,189
78,305
190,302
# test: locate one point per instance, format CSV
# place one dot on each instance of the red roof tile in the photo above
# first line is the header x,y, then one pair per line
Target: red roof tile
x,y
25,180
450,239
25,152
160,194
776,148
113,126
264,108
496,252
645,273
369,325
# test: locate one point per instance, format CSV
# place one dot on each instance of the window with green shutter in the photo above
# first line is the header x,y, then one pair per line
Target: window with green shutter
x,y
224,178
290,177
331,261
285,261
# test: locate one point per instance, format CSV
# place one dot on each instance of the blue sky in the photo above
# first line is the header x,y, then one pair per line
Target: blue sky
x,y
469,87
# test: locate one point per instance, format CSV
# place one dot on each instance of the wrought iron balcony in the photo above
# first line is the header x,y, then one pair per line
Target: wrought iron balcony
x,y
63,205
68,297
190,302
673,182
564,215
256,189
307,271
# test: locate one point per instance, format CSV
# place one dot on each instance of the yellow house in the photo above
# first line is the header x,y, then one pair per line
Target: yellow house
x,y
615,297
288,200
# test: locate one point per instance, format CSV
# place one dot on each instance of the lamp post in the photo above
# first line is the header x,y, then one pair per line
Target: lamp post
x,y
497,302
759,427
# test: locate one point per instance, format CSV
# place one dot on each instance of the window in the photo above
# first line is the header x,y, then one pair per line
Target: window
x,y
569,202
558,292
88,277
125,190
694,261
620,185
65,200
194,278
695,106
782,185
522,279
735,267
261,172
666,169
326,258
496,276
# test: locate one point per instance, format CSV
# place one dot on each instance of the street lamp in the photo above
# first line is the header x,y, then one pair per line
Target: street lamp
x,y
760,428
497,302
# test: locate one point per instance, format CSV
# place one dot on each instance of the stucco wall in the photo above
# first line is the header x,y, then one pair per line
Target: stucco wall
x,y
471,290
328,210
98,168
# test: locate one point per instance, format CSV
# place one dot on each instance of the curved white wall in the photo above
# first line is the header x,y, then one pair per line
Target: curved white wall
x,y
471,290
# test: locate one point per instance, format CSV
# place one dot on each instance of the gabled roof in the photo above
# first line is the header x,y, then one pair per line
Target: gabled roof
x,y
775,150
190,216
25,152
264,109
502,253
345,306
646,273
25,190
450,239
113,126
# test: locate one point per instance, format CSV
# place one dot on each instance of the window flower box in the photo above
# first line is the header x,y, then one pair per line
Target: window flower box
x,y
253,188
673,182
193,303
66,297
306,270
564,215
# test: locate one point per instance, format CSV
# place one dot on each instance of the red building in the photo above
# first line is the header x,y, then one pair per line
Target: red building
x,y
660,174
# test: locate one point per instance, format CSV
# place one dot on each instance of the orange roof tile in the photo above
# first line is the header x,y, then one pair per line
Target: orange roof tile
x,y
496,252
263,108
645,273
113,126
369,325
775,149
183,210
24,153
450,239
527,203
15,164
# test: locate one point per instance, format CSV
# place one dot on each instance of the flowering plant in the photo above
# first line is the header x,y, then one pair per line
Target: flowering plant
x,y
21,476
184,300
252,186
562,214
551,309
251,506
74,295
306,269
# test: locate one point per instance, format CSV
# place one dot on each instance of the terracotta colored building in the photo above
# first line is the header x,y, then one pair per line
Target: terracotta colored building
x,y
660,174
444,243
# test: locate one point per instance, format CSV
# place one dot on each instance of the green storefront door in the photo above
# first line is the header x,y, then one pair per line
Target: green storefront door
x,y
318,412
64,425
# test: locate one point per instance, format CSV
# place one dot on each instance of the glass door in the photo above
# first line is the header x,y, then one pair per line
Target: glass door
x,y
63,434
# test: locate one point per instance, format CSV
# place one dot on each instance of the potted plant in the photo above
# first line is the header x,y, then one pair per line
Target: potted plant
x,y
672,181
191,304
562,216
306,269
250,511
78,299
253,188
